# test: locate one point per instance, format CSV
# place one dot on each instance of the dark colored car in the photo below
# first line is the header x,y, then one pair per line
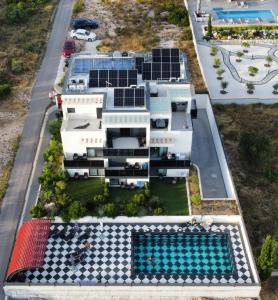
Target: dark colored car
x,y
83,23
69,48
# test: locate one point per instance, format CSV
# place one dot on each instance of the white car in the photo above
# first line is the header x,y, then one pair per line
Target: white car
x,y
82,34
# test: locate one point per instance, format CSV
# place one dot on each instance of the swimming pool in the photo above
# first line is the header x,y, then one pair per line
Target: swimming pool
x,y
182,253
246,14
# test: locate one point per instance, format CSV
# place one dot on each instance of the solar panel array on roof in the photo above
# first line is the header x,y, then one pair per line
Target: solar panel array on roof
x,y
112,78
160,71
167,55
129,97
84,65
139,64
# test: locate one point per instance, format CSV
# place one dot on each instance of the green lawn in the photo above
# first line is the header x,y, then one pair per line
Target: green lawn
x,y
173,196
84,190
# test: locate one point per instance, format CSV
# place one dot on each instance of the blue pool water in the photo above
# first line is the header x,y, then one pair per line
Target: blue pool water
x,y
182,253
248,14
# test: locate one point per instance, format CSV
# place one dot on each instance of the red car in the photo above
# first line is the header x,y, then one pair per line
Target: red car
x,y
69,48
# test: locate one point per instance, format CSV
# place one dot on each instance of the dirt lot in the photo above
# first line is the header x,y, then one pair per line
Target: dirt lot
x,y
257,193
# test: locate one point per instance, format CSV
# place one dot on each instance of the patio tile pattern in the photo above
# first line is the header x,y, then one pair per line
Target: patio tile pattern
x,y
108,261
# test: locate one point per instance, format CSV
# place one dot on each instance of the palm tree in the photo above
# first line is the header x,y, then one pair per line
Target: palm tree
x,y
220,72
245,45
253,70
216,63
275,88
269,60
213,51
250,87
224,85
239,55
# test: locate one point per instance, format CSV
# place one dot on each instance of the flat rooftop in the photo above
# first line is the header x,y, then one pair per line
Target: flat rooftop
x,y
86,123
135,253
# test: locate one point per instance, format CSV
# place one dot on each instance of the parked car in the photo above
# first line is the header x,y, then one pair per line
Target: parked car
x,y
69,48
82,34
83,23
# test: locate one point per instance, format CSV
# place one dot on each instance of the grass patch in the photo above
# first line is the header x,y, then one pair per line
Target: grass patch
x,y
173,196
257,189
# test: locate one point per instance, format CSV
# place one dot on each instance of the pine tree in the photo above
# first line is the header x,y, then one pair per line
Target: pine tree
x,y
267,258
209,32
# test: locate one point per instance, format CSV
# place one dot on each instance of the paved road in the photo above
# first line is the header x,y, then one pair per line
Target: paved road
x,y
14,200
205,157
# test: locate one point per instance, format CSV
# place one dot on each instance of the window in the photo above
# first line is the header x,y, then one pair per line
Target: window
x,y
95,152
71,110
96,172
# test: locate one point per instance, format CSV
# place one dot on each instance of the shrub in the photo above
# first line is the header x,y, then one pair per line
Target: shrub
x,y
216,63
224,85
132,209
158,211
220,72
76,210
17,66
253,70
147,191
110,210
254,149
269,60
99,199
196,199
106,191
5,90
55,128
78,6
178,16
275,88
213,51
250,87
245,45
155,202
38,211
138,198
267,258
209,34
239,55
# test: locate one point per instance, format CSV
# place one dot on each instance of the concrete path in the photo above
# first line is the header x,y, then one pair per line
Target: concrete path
x,y
204,155
14,199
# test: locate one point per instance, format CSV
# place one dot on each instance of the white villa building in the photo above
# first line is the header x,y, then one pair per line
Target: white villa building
x,y
128,117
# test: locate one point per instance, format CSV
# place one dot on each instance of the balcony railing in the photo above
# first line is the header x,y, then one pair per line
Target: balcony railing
x,y
169,163
84,163
126,152
126,173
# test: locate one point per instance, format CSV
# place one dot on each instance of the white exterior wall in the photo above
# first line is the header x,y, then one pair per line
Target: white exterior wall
x,y
177,172
69,292
79,171
72,141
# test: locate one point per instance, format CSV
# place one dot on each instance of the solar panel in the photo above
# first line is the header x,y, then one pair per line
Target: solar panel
x,y
175,70
139,64
147,71
112,78
170,55
129,97
158,71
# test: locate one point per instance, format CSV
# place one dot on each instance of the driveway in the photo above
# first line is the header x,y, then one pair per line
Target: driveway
x,y
204,155
15,196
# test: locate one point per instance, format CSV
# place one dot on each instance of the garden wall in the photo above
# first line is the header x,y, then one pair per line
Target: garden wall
x,y
203,102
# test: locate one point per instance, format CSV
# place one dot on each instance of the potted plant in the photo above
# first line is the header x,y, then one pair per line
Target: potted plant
x,y
213,51
216,63
239,55
250,87
275,89
253,70
220,72
245,46
224,85
269,60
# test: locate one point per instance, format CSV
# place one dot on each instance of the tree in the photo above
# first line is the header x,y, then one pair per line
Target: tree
x,y
213,51
250,87
269,60
239,55
110,210
267,258
255,150
275,88
253,70
224,85
216,63
209,31
245,46
220,72
38,211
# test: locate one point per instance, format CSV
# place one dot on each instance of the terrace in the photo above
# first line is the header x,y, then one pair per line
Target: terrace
x,y
101,254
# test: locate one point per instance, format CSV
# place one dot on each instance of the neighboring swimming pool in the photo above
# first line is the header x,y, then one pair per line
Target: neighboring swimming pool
x,y
245,14
182,253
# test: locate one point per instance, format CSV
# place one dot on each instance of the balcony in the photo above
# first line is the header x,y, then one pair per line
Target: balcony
x,y
141,152
126,173
83,163
170,163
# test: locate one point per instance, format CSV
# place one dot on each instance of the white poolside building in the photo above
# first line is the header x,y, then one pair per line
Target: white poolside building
x,y
128,118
